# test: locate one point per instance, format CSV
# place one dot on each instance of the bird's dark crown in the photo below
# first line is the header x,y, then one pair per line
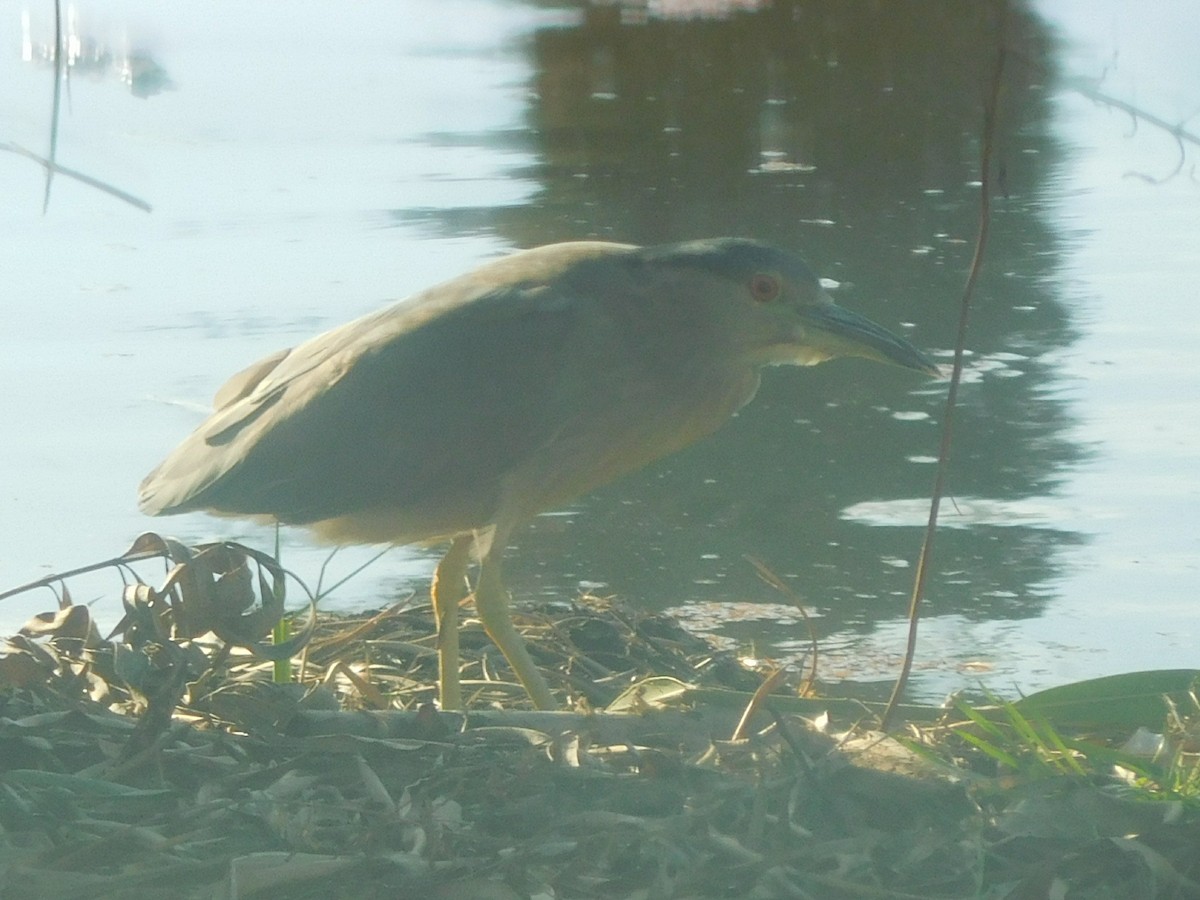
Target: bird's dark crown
x,y
734,258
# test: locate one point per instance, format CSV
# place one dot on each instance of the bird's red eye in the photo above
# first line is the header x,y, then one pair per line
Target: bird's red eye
x,y
764,288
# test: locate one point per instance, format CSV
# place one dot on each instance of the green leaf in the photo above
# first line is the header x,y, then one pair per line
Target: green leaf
x,y
1001,756
1123,701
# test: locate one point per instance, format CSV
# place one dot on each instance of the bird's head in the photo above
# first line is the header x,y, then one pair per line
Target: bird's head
x,y
781,314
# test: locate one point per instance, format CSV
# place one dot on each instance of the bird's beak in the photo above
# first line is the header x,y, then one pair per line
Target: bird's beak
x,y
832,331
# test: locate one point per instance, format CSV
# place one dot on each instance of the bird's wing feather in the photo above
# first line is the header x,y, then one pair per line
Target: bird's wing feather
x,y
434,397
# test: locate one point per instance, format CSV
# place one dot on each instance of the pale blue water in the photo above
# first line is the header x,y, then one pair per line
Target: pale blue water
x,y
311,162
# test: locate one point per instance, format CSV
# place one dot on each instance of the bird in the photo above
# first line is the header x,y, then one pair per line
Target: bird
x,y
463,411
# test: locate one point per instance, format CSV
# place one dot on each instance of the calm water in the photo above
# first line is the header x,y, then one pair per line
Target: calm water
x,y
308,163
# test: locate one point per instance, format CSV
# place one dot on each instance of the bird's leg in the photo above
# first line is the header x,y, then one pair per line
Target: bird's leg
x,y
448,591
491,601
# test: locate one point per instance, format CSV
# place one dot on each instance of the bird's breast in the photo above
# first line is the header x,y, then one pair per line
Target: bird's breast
x,y
594,449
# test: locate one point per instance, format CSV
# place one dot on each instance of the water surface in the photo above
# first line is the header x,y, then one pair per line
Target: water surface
x,y
308,163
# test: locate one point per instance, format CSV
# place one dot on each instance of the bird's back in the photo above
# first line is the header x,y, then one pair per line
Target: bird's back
x,y
489,398
426,403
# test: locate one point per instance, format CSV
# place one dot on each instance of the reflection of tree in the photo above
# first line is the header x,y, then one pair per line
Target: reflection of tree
x,y
849,130
73,50
81,49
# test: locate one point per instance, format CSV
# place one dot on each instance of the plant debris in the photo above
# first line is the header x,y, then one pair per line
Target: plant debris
x,y
167,760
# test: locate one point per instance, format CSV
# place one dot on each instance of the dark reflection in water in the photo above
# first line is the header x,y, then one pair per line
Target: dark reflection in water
x,y
87,53
848,132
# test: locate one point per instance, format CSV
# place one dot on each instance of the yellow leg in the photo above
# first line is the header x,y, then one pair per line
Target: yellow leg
x,y
491,601
448,591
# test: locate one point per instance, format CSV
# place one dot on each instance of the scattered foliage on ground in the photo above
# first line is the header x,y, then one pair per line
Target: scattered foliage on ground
x,y
168,759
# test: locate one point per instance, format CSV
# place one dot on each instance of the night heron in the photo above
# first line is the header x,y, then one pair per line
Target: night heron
x,y
472,406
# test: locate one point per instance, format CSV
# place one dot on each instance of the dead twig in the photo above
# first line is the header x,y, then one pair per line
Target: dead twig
x,y
990,112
